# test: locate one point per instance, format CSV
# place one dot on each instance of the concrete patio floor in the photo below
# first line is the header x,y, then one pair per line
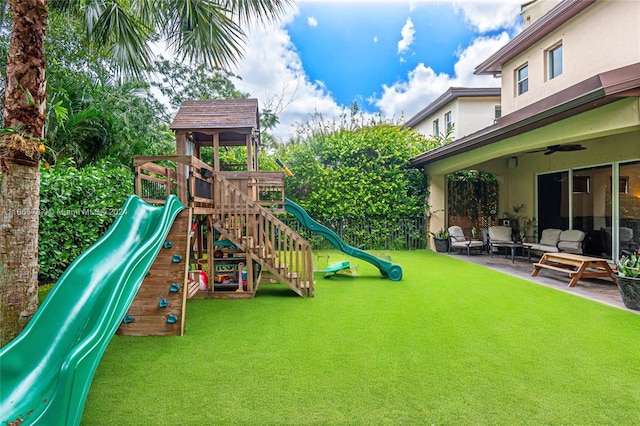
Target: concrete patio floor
x,y
600,290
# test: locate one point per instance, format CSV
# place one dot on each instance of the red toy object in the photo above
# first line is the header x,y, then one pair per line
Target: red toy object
x,y
201,278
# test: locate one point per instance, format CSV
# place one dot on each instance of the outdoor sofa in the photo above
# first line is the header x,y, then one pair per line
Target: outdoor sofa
x,y
556,240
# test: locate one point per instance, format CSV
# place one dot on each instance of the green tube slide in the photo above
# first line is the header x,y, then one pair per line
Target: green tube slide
x,y
387,269
46,371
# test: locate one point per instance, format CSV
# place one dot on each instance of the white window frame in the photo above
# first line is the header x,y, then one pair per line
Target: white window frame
x,y
448,122
436,127
522,83
553,68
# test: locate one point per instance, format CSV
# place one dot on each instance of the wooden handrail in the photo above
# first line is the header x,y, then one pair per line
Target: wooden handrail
x,y
265,188
276,246
241,206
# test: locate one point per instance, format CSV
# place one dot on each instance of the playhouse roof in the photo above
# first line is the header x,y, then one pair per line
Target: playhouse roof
x,y
230,118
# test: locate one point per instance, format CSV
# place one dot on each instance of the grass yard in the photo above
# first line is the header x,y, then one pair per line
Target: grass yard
x,y
452,343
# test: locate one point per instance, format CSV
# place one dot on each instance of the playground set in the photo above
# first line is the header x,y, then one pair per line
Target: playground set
x,y
192,229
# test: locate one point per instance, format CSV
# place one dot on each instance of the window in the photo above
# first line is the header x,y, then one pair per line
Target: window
x,y
522,79
497,112
447,120
554,61
436,127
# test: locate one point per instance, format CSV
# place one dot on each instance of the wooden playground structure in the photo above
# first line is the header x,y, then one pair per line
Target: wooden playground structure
x,y
228,241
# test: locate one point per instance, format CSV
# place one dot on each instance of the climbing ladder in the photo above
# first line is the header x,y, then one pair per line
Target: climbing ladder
x,y
158,309
272,251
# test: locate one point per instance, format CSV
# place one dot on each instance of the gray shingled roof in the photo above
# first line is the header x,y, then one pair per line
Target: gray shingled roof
x,y
217,114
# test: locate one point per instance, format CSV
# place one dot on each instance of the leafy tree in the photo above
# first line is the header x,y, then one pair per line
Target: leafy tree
x,y
356,168
180,82
199,31
92,116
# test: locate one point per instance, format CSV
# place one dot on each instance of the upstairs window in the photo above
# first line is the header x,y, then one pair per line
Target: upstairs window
x,y
497,112
447,120
436,127
554,61
522,79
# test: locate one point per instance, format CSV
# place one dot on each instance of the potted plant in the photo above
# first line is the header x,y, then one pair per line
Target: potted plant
x,y
441,240
628,280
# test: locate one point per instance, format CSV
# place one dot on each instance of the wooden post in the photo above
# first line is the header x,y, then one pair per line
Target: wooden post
x,y
216,152
182,170
249,153
210,250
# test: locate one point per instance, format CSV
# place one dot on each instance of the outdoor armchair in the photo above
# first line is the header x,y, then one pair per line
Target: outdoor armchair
x,y
457,240
500,234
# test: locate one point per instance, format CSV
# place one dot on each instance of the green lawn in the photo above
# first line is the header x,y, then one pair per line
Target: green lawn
x,y
452,343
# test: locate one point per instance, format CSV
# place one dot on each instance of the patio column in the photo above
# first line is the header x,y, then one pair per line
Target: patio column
x,y
438,204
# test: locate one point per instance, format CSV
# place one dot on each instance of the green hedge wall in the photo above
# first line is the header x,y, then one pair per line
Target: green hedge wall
x,y
76,207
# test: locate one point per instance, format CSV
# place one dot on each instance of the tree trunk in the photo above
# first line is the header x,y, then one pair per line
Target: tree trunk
x,y
24,111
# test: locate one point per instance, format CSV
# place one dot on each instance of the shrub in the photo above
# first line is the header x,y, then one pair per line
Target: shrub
x,y
76,207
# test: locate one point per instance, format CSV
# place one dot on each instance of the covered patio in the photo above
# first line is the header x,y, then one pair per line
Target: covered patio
x,y
598,289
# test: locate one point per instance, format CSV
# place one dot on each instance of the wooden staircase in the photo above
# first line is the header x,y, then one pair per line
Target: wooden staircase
x,y
280,252
241,207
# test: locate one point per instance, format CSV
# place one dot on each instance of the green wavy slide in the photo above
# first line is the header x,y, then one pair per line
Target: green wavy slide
x,y
46,371
387,269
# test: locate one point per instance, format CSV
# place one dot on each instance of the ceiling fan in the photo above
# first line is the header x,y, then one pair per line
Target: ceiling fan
x,y
559,148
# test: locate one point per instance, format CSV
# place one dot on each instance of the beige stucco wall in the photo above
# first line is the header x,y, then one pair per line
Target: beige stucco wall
x,y
468,115
475,114
603,37
534,10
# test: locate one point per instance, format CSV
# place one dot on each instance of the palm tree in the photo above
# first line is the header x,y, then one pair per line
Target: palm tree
x,y
204,31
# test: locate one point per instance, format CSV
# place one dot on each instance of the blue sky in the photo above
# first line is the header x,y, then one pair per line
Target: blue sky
x,y
391,57
353,52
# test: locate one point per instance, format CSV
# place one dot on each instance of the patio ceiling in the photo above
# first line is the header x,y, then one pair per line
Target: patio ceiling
x,y
602,98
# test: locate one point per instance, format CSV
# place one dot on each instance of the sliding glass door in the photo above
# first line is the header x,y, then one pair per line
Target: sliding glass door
x,y
592,208
629,206
602,201
553,201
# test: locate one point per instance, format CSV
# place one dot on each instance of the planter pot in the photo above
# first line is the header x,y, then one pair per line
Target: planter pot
x,y
442,244
630,291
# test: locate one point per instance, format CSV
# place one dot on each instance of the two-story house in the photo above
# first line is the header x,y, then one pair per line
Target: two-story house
x,y
460,111
567,145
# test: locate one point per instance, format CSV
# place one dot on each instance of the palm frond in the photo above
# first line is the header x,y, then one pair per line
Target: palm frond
x,y
202,31
126,37
262,10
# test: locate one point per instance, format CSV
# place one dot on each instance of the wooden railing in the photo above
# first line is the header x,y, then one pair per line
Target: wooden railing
x,y
265,188
158,176
277,247
186,176
241,206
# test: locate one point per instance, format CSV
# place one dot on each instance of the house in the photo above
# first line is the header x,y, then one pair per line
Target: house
x,y
464,110
567,144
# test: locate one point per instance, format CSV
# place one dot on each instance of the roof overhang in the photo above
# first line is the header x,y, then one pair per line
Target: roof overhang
x,y
587,95
231,119
548,23
449,96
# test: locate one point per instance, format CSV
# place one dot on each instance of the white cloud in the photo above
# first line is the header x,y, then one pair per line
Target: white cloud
x,y
408,33
486,16
272,71
375,39
312,22
405,98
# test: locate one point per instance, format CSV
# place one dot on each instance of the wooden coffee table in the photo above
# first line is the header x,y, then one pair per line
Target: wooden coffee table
x,y
576,265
